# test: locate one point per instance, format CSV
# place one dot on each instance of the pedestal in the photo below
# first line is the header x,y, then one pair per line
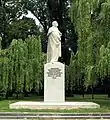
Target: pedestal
x,y
54,82
54,92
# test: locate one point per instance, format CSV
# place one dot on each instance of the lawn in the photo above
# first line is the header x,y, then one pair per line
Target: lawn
x,y
102,100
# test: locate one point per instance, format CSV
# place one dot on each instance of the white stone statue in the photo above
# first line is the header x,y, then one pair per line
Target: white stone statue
x,y
54,43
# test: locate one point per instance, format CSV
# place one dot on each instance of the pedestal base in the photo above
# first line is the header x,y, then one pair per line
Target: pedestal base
x,y
53,105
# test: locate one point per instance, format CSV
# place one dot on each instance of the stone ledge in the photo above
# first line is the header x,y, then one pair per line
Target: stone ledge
x,y
53,116
53,105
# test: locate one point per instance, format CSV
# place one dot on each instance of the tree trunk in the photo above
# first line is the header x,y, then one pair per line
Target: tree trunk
x,y
83,92
24,89
25,94
17,95
108,91
92,88
10,93
6,95
108,86
4,42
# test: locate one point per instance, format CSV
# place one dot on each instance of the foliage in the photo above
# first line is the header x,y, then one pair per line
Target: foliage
x,y
51,10
73,75
22,28
54,10
21,65
4,73
103,67
13,28
10,10
39,9
92,24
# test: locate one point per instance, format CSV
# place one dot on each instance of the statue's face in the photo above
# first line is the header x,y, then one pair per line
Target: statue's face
x,y
55,24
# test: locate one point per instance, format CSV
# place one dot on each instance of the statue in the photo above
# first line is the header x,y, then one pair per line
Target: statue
x,y
54,43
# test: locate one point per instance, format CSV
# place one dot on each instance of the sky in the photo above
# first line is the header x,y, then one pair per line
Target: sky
x,y
30,15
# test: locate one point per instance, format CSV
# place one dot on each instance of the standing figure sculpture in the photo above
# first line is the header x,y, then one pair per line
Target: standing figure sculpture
x,y
54,43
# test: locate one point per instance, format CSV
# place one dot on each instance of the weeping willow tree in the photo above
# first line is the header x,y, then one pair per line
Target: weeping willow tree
x,y
4,73
91,19
103,67
81,18
22,66
74,78
35,65
104,50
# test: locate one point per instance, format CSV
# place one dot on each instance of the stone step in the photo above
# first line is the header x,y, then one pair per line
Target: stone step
x,y
54,116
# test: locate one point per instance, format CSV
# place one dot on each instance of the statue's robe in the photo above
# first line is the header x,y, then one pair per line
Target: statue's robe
x,y
54,44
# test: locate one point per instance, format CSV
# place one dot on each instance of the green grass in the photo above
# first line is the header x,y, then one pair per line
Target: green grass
x,y
102,100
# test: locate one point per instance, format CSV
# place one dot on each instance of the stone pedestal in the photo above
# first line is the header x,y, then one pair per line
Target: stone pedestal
x,y
53,105
54,92
54,82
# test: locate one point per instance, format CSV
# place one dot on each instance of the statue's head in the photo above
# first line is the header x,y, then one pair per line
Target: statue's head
x,y
55,24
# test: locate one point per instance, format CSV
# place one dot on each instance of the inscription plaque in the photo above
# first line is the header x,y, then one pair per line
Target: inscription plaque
x,y
54,72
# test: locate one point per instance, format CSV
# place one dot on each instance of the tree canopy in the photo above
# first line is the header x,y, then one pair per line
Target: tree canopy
x,y
91,21
85,25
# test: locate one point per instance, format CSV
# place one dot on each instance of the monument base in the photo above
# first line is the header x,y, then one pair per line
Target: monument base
x,y
53,105
54,82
